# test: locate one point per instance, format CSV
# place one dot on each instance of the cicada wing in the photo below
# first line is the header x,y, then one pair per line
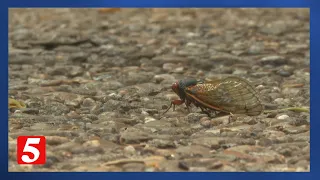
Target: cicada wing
x,y
231,94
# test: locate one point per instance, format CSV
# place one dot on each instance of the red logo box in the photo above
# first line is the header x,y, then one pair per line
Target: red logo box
x,y
31,150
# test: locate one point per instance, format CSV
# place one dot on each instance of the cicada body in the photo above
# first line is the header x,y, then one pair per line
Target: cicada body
x,y
229,95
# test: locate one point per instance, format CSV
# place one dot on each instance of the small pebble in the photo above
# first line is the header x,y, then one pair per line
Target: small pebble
x,y
129,149
92,143
179,70
281,117
29,111
88,102
144,113
205,122
149,119
169,66
278,100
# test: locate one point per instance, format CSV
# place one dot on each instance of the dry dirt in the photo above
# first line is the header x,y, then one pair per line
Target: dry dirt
x,y
95,82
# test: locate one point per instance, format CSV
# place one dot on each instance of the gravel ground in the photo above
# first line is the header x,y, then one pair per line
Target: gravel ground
x,y
95,82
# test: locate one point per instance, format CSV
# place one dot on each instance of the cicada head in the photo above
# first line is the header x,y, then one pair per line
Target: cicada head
x,y
179,87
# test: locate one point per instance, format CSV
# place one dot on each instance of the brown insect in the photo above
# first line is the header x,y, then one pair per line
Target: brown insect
x,y
232,95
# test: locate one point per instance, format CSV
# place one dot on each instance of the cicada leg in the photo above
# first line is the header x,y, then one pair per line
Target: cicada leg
x,y
174,103
205,111
177,102
188,103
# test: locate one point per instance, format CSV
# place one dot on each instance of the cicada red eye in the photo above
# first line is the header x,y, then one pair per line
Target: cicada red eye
x,y
175,87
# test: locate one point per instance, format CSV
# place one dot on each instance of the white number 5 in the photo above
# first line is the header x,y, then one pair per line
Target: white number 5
x,y
31,149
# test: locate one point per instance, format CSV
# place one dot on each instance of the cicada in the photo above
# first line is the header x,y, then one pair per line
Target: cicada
x,y
232,95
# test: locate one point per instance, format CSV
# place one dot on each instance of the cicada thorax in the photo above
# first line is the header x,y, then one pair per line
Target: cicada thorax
x,y
180,87
230,95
